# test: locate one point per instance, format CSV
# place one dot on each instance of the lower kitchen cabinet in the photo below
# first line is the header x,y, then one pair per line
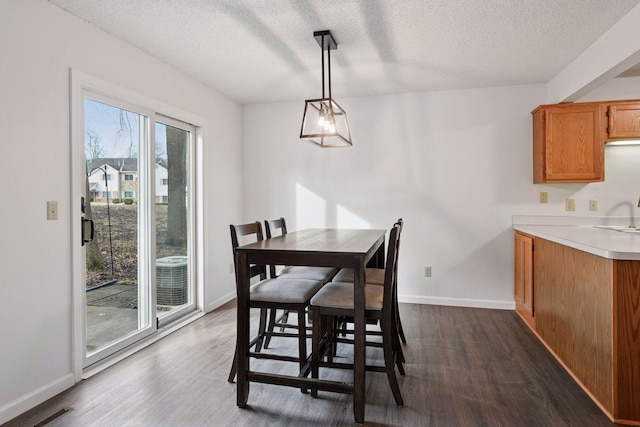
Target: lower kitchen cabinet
x,y
587,313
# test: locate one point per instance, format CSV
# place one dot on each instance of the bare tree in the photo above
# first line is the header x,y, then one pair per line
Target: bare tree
x,y
127,130
95,259
92,145
177,186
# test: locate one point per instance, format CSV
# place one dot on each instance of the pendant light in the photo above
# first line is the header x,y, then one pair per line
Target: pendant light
x,y
324,122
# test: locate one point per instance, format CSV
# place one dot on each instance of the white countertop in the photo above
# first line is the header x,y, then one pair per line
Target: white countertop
x,y
607,243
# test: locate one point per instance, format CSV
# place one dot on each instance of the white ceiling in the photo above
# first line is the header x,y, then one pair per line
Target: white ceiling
x,y
262,51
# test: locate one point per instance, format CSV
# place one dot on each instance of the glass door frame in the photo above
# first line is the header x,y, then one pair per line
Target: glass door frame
x,y
191,217
82,84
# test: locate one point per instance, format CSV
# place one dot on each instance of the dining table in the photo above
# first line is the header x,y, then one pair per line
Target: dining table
x,y
321,247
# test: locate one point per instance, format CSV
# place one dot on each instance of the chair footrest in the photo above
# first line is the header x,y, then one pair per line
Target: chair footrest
x,y
297,382
271,356
346,365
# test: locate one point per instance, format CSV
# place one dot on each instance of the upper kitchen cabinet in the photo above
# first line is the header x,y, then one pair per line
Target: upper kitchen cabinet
x,y
568,143
623,120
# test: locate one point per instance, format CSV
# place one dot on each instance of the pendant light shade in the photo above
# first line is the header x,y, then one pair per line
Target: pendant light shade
x,y
324,122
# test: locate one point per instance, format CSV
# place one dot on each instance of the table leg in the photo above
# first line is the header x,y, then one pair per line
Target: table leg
x,y
242,347
359,350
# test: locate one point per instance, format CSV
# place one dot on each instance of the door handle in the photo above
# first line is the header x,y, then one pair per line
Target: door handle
x,y
84,221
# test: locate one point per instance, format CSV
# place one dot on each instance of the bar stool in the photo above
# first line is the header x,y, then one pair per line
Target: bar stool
x,y
273,294
336,299
278,227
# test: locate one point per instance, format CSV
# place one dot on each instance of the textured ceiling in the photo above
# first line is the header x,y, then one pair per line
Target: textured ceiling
x,y
261,51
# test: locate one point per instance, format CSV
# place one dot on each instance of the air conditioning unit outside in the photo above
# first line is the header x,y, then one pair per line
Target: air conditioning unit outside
x,y
172,280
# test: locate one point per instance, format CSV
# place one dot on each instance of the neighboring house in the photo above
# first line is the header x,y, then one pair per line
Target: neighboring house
x,y
117,178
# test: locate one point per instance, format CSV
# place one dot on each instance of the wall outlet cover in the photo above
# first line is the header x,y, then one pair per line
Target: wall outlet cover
x,y
570,205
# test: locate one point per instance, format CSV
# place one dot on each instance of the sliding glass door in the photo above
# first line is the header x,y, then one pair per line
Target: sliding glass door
x,y
138,223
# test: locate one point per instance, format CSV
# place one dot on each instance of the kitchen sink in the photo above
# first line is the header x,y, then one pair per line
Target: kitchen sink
x,y
621,228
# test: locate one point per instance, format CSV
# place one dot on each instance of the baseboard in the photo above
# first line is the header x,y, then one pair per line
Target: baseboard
x,y
458,302
212,305
36,397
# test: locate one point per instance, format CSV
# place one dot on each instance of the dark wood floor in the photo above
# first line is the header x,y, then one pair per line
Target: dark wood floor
x,y
465,367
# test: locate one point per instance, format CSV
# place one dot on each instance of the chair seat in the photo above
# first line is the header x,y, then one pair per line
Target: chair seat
x,y
321,274
375,276
284,291
340,295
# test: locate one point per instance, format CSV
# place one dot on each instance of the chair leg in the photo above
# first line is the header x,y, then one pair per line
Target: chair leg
x,y
272,321
302,342
316,335
331,326
389,361
234,366
284,319
399,322
261,329
399,362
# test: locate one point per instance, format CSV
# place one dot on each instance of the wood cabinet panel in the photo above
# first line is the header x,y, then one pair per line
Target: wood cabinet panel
x,y
568,143
523,276
573,300
627,340
623,120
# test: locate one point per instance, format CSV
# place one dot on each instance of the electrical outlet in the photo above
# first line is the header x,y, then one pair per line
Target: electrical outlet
x,y
570,204
52,210
427,272
544,197
593,205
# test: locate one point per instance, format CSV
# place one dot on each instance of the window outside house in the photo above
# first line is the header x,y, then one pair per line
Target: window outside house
x,y
165,181
128,194
128,177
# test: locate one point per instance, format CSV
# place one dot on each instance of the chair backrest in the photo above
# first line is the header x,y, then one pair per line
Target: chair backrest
x,y
400,224
253,228
391,272
271,225
275,224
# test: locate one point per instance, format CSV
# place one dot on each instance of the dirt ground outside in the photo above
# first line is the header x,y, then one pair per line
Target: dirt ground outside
x,y
122,246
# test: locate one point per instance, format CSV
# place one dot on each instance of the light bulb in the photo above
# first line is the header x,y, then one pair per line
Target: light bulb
x,y
321,118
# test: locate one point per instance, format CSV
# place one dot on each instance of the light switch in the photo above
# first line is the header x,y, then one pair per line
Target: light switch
x,y
571,205
52,210
544,197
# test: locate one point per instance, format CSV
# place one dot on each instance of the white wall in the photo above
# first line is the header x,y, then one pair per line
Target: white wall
x,y
39,43
456,165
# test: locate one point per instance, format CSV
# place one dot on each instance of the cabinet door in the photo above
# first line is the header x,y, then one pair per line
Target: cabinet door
x,y
574,144
524,276
624,120
571,143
